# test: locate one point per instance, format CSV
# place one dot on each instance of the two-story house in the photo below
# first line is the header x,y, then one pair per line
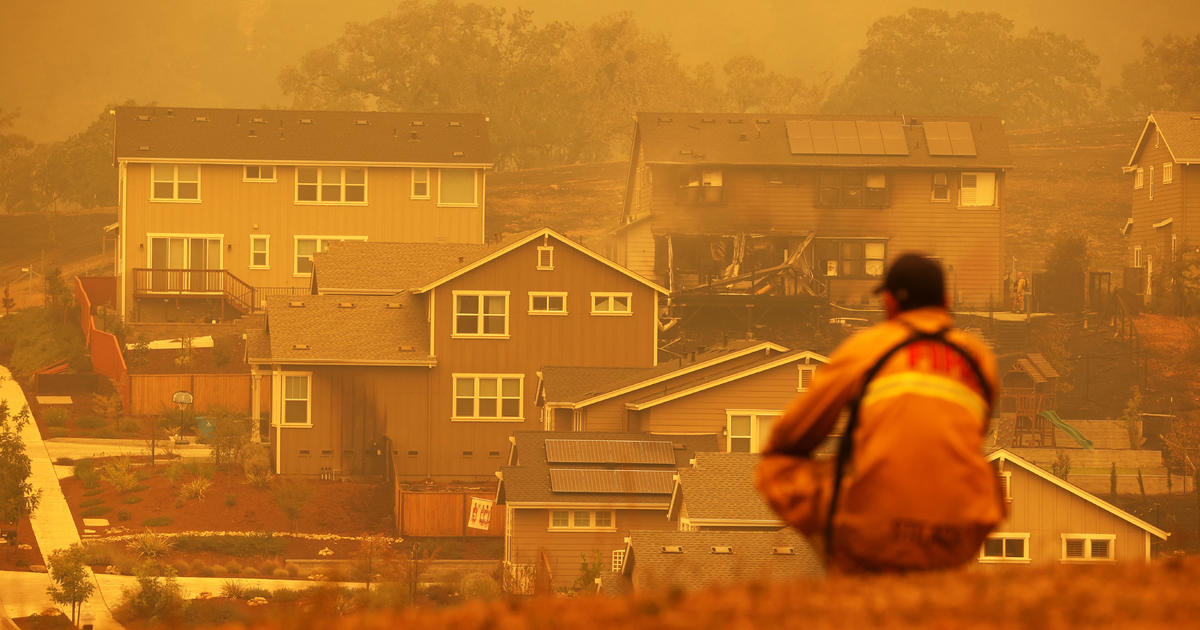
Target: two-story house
x,y
757,204
221,208
428,354
1165,172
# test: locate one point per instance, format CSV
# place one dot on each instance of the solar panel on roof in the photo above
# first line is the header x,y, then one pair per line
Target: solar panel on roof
x,y
870,138
846,133
894,142
937,136
799,134
612,481
609,452
824,140
962,141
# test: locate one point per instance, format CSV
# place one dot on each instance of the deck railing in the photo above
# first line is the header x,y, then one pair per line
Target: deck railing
x,y
215,282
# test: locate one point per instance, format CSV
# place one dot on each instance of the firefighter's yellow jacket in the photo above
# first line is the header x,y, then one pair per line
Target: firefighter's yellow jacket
x,y
916,492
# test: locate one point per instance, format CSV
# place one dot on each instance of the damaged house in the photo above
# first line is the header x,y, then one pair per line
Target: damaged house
x,y
801,205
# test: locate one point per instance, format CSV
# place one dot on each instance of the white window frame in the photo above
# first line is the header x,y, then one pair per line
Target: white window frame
x,y
1137,257
265,238
174,198
1087,547
480,315
321,185
1024,536
549,251
187,249
757,439
547,294
1006,485
499,378
246,173
1168,172
571,526
475,189
934,186
283,400
1139,178
800,370
322,242
609,295
1150,182
412,190
995,189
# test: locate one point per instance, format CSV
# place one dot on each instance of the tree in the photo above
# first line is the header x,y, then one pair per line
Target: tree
x,y
929,61
7,302
18,497
291,496
375,558
72,584
59,296
1167,77
231,435
80,170
751,87
1061,467
1132,417
155,596
413,564
19,166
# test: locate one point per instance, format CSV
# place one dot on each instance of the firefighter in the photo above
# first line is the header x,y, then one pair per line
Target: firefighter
x,y
909,488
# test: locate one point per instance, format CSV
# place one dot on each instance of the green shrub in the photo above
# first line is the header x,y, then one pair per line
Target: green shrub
x,y
233,567
56,432
249,571
140,487
268,567
131,499
123,515
231,500
57,417
95,511
234,589
158,521
150,546
174,471
292,570
89,422
178,502
64,461
280,573
106,433
479,586
143,474
204,571
91,502
91,492
285,595
194,489
237,545
85,472
119,473
218,569
125,424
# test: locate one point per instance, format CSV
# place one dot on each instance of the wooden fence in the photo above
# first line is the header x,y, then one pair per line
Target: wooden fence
x,y
151,393
103,347
442,514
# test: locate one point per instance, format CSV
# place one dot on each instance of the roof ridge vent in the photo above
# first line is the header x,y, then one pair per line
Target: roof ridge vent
x,y
200,119
144,147
299,346
457,154
407,348
722,549
762,121
295,304
362,121
784,551
393,305
306,121
672,549
417,123
345,304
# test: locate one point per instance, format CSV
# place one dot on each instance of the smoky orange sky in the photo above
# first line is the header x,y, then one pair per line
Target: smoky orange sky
x,y
61,61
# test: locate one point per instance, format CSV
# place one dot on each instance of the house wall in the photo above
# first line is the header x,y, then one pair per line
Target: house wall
x,y
1045,512
1168,201
566,550
235,210
968,240
705,411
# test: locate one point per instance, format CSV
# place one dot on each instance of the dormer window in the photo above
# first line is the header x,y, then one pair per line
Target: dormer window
x,y
545,258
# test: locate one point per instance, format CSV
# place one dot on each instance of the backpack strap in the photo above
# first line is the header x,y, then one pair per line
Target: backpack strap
x,y
846,446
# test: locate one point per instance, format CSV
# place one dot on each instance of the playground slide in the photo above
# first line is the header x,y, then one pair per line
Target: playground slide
x,y
1068,429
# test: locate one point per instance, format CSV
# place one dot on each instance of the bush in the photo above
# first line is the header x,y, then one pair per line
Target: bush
x,y
292,570
234,589
153,597
217,569
194,489
150,546
279,573
249,571
91,502
205,571
89,422
268,567
131,499
143,474
479,586
231,500
233,567
174,472
213,612
123,515
237,545
118,472
56,432
106,433
91,492
95,511
125,424
158,521
140,487
85,472
64,461
57,417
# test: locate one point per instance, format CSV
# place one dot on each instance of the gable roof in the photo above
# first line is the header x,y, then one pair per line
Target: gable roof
x,y
763,140
579,387
1004,455
624,482
719,490
290,136
686,387
360,330
1180,132
694,560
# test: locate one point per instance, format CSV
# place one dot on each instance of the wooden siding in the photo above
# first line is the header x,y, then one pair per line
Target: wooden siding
x,y
1045,512
151,393
442,514
236,210
704,412
566,550
636,249
1168,202
968,240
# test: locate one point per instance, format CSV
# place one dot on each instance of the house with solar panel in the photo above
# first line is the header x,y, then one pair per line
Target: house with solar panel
x,y
571,498
1051,520
803,205
1164,171
222,209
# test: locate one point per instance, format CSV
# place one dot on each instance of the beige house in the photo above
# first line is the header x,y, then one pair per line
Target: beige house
x,y
220,209
1051,520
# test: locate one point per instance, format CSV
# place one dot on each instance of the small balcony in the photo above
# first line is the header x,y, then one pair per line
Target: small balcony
x,y
216,284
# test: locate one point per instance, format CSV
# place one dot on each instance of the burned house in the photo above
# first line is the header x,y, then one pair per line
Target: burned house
x,y
802,205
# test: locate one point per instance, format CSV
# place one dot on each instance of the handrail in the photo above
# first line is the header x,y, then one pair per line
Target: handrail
x,y
195,281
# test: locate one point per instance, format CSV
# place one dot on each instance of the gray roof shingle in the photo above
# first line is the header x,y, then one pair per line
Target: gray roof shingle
x,y
721,486
752,556
314,329
390,267
1182,133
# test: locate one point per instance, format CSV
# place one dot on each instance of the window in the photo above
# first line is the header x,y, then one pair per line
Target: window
x,y
456,187
612,303
545,258
618,560
1138,179
420,183
1137,256
1088,547
547,303
807,372
748,431
175,182
941,187
1006,485
850,258
260,249
1005,548
258,173
698,185
480,313
487,396
588,520
852,189
331,184
1168,172
976,190
296,407
306,246
1151,181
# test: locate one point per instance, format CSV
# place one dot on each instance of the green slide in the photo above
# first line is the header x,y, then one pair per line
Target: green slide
x,y
1068,429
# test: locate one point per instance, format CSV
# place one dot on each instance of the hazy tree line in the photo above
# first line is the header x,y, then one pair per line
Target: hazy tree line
x,y
560,93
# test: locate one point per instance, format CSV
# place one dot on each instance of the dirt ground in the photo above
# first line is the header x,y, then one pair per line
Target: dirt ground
x,y
581,201
14,559
224,358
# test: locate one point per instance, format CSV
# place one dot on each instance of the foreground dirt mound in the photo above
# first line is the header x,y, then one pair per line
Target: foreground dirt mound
x,y
1159,595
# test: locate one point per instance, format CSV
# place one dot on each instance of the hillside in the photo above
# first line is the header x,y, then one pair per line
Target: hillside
x,y
582,200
